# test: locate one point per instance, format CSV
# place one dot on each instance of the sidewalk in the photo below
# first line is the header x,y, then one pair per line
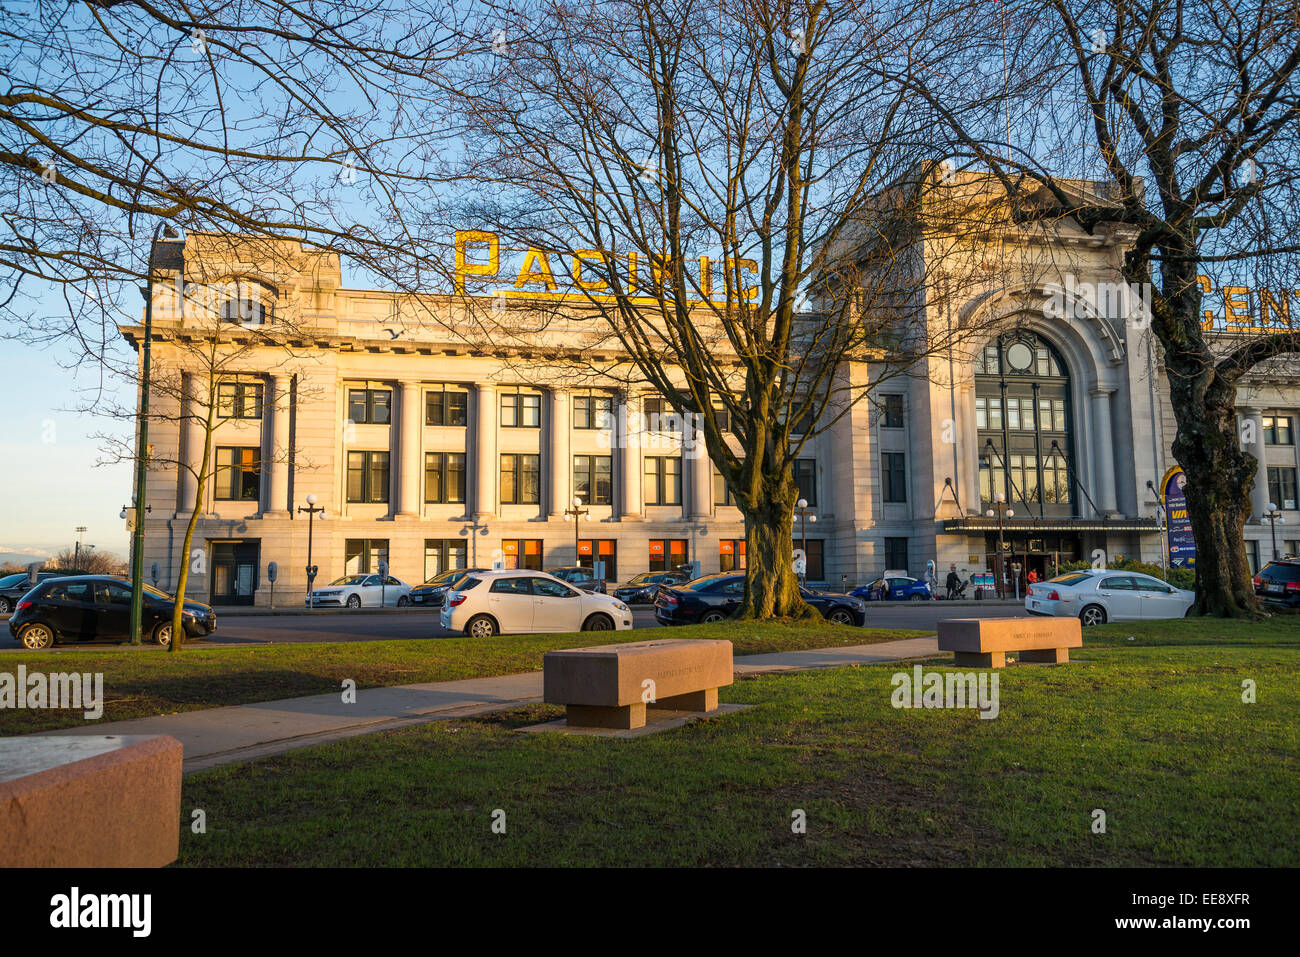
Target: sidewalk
x,y
217,736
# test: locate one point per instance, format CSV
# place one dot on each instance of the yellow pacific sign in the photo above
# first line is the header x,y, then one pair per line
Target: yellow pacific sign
x,y
478,259
1247,310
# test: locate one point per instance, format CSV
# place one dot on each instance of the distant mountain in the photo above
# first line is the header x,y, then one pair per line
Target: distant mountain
x,y
24,557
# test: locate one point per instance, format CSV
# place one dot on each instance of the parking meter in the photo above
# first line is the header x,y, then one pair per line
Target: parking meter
x,y
271,572
153,573
383,583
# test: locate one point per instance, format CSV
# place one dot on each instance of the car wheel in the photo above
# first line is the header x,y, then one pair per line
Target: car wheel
x,y
403,601
918,597
481,626
36,637
712,617
1092,615
840,616
354,602
598,623
162,635
5,605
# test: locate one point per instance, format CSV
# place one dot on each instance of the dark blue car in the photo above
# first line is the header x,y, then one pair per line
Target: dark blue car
x,y
900,589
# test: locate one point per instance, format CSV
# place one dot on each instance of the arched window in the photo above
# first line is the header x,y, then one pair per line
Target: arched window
x,y
1023,424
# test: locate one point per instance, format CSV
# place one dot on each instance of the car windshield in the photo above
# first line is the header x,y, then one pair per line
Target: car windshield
x,y
466,583
1279,571
641,579
350,580
445,577
9,581
710,583
156,592
1069,578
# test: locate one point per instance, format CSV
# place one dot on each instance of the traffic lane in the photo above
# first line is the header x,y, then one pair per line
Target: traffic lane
x,y
349,626
926,615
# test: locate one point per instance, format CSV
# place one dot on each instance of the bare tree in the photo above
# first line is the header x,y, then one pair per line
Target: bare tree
x,y
1189,111
734,190
89,560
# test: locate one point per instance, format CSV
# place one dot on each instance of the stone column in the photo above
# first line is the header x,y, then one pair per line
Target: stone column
x,y
1104,451
279,445
699,468
559,466
485,448
627,436
1259,494
192,426
410,451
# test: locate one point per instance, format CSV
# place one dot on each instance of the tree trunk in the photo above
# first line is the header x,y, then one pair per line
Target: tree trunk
x,y
771,586
1220,476
183,579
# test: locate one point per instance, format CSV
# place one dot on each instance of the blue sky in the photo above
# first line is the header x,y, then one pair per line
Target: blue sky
x,y
49,480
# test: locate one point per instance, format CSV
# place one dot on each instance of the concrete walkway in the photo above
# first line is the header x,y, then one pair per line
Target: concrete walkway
x,y
216,736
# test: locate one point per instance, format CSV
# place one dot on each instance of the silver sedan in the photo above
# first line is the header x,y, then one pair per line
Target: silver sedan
x,y
1097,596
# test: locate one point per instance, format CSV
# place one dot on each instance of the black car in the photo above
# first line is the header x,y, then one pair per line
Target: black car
x,y
433,592
715,598
578,577
13,587
641,589
98,608
1278,583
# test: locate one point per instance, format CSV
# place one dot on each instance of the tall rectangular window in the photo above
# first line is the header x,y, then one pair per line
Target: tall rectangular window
x,y
361,556
593,479
604,550
1277,430
370,406
896,554
443,555
367,476
239,400
593,411
892,412
521,479
814,550
893,477
446,405
805,478
238,475
521,410
1281,487
662,480
731,555
444,477
659,415
721,491
522,553
667,554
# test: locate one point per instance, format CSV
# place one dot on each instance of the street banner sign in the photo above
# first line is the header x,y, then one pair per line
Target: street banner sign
x,y
1182,545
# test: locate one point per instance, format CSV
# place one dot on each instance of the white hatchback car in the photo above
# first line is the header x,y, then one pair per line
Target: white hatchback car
x,y
1097,596
357,591
520,602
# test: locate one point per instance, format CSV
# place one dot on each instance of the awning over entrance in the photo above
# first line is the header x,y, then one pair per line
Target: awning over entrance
x,y
1009,525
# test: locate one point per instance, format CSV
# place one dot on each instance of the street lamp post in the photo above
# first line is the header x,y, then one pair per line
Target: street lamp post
x,y
1162,516
1002,510
577,514
142,451
1273,515
76,553
801,507
312,511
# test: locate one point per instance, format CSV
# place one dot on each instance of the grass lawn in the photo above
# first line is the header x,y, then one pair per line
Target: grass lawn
x,y
144,681
1154,732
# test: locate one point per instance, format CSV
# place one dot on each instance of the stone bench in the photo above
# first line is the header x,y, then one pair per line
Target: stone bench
x,y
89,800
984,642
604,686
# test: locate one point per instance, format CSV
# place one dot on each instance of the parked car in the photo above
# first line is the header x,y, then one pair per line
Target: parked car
x,y
520,602
98,608
1097,596
357,591
716,597
1278,583
641,589
901,588
579,577
13,587
432,592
